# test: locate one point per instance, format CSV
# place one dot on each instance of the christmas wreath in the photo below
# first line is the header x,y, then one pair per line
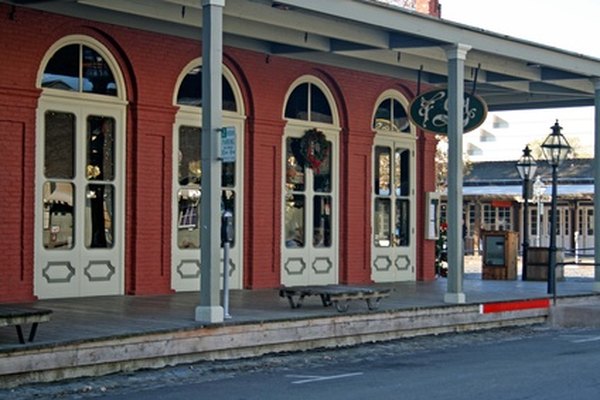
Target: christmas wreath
x,y
314,149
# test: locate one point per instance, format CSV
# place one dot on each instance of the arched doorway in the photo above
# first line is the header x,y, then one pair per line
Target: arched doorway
x,y
311,180
187,174
80,170
393,247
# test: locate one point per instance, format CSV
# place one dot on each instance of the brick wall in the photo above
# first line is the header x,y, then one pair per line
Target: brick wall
x,y
151,64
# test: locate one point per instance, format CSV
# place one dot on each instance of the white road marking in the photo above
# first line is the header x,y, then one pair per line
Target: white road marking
x,y
315,378
590,339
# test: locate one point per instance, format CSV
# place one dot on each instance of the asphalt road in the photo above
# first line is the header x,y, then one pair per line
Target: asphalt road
x,y
524,363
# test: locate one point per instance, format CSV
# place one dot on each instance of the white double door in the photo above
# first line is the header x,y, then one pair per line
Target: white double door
x,y
309,247
187,196
79,206
393,246
563,231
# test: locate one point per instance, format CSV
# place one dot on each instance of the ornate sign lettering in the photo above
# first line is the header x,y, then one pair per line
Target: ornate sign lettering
x,y
429,111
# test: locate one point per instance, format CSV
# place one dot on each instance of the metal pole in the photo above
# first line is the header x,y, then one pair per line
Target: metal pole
x,y
456,55
210,310
538,221
226,279
552,249
525,227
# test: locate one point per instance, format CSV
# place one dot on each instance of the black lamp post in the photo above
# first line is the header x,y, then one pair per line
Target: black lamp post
x,y
556,148
526,167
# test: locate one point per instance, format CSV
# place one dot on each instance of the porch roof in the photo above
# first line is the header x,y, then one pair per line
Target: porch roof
x,y
369,36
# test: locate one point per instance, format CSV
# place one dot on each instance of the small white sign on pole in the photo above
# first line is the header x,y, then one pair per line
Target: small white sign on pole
x,y
228,144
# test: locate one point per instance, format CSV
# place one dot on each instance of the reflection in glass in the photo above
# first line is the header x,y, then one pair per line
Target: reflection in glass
x,y
100,148
228,174
402,172
79,68
317,109
402,228
297,104
189,194
190,168
322,221
382,170
391,116
400,120
188,232
322,181
59,145
294,221
388,170
99,216
98,77
58,215
382,222
190,91
295,174
320,111
62,71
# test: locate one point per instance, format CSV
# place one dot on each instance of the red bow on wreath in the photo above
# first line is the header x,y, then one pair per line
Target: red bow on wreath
x,y
314,149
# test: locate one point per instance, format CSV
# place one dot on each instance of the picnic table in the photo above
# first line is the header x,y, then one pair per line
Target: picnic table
x,y
339,296
19,315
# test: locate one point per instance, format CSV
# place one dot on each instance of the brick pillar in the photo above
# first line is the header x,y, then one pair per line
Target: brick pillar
x,y
17,152
262,210
148,202
355,206
427,144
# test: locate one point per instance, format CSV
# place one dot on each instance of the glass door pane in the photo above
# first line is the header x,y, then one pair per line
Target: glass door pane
x,y
100,167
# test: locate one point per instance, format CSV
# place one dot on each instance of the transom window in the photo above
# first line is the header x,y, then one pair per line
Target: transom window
x,y
79,68
391,116
307,102
190,91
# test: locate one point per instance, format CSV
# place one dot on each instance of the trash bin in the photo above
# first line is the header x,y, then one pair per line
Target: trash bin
x,y
499,260
538,259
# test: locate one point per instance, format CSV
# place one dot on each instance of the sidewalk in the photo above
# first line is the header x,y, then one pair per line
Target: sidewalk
x,y
92,336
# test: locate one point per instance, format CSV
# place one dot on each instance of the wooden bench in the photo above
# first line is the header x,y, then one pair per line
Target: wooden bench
x,y
337,295
18,316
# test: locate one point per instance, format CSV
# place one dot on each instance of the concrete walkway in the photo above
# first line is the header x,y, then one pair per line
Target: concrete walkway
x,y
92,336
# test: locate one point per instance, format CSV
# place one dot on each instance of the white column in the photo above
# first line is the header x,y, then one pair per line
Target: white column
x,y
596,286
456,55
210,310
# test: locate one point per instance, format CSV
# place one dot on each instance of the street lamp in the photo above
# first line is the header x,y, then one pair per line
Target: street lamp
x,y
556,148
526,167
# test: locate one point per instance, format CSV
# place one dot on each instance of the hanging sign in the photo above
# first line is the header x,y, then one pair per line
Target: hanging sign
x,y
429,111
228,144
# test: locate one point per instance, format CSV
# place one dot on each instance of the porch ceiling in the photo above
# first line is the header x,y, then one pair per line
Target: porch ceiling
x,y
367,36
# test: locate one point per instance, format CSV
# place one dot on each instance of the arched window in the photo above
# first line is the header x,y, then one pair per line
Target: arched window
x,y
391,116
307,102
190,91
79,68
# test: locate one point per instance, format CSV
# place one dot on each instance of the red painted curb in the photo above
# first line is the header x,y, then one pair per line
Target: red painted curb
x,y
513,306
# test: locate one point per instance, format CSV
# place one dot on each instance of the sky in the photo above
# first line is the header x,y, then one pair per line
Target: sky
x,y
569,25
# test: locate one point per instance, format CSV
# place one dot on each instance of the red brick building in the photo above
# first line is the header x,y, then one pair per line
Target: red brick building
x,y
100,127
97,129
